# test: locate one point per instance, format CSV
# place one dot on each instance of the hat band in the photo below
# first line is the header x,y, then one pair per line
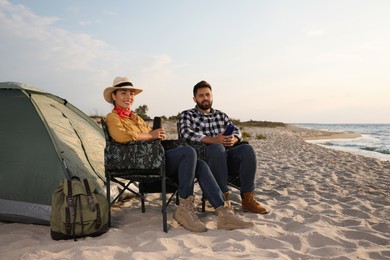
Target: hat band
x,y
123,84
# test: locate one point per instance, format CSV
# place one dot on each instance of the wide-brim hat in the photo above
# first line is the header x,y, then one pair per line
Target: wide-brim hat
x,y
119,83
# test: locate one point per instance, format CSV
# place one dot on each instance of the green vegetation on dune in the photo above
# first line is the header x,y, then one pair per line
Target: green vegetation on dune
x,y
258,123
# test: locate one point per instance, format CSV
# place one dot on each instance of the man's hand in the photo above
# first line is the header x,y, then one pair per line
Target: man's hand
x,y
225,140
229,140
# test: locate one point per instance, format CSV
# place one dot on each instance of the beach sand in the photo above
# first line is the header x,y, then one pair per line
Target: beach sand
x,y
325,204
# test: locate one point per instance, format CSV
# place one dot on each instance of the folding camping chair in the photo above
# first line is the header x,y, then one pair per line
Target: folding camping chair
x,y
137,161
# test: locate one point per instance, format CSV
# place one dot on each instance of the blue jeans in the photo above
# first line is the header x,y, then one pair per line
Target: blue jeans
x,y
242,157
208,184
182,162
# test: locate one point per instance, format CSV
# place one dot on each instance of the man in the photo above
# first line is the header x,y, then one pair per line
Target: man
x,y
207,125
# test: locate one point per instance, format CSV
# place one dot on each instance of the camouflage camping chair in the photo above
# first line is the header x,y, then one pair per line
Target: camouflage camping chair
x,y
141,162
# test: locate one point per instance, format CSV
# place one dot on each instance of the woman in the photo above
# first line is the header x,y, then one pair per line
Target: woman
x,y
124,126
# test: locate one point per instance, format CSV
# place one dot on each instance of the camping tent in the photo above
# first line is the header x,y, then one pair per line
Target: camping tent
x,y
43,139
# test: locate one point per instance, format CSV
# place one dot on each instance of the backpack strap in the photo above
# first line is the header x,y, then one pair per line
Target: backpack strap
x,y
92,205
91,201
68,226
70,211
69,198
98,217
76,204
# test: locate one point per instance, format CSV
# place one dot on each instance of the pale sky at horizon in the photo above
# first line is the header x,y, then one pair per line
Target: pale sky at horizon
x,y
292,61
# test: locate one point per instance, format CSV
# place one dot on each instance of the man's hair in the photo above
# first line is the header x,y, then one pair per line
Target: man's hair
x,y
202,84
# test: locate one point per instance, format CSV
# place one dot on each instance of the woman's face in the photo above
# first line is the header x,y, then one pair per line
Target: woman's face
x,y
123,98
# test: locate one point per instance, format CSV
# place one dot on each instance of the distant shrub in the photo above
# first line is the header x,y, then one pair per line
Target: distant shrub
x,y
246,134
260,137
175,118
235,121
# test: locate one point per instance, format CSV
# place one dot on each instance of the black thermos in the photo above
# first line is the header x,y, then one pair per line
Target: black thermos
x,y
156,122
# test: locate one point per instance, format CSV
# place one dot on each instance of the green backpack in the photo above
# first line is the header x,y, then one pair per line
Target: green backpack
x,y
78,210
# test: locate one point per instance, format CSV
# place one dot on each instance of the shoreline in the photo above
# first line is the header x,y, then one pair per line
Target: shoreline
x,y
314,134
334,135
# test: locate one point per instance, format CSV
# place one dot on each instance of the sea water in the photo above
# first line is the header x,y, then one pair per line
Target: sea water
x,y
374,140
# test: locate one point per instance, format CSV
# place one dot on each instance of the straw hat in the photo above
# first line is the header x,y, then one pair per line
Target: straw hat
x,y
119,83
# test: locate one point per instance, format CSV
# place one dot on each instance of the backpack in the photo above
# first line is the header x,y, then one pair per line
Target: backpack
x,y
78,210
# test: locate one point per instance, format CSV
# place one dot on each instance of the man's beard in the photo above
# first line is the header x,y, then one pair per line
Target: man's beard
x,y
206,105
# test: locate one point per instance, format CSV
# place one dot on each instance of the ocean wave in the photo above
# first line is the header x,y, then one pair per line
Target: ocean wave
x,y
371,149
376,149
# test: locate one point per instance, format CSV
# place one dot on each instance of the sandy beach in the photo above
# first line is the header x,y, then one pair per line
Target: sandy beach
x,y
325,204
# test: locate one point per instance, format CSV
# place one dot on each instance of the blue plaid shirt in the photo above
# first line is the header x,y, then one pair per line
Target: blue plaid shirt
x,y
195,125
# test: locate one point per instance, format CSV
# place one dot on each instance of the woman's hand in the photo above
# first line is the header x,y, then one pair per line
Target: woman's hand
x,y
158,133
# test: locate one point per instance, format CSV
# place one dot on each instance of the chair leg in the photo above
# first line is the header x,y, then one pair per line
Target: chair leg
x,y
203,204
164,203
143,202
108,192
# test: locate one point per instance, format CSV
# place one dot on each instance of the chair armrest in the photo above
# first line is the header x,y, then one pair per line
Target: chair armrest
x,y
134,155
200,149
171,144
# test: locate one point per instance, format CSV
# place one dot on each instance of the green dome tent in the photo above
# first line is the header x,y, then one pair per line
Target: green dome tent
x,y
43,139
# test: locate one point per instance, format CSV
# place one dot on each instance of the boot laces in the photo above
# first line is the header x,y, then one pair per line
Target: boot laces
x,y
227,211
193,215
190,208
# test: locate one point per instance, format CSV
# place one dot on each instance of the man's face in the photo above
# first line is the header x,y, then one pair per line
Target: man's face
x,y
204,99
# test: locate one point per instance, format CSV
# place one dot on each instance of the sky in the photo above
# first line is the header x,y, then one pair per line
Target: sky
x,y
292,61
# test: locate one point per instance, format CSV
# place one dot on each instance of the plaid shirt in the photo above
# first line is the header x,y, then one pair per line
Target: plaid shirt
x,y
195,125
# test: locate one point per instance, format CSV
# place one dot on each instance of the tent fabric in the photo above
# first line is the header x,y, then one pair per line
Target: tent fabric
x,y
43,139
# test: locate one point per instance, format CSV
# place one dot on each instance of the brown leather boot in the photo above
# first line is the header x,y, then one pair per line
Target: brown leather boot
x,y
250,204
